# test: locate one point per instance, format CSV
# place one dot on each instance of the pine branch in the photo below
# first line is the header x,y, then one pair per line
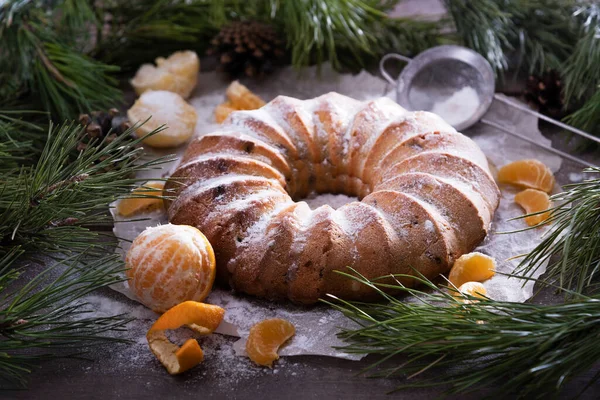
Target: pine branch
x,y
48,206
45,317
484,26
581,72
139,31
524,350
314,28
542,33
349,34
40,45
588,116
572,247
68,185
399,35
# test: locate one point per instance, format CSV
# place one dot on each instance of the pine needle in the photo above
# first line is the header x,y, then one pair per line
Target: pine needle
x,y
46,318
581,72
42,47
524,350
47,206
572,246
588,116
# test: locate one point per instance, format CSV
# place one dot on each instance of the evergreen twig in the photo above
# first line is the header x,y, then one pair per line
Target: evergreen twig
x,y
572,246
524,350
60,186
49,204
588,116
581,72
42,47
45,318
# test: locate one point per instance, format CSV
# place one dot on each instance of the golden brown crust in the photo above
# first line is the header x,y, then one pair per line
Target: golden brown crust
x,y
427,196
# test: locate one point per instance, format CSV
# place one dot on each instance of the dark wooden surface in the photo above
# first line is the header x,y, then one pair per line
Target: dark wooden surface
x,y
108,375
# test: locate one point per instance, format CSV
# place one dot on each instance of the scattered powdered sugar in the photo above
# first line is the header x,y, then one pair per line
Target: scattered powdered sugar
x,y
459,107
429,226
224,364
575,177
317,326
167,102
335,201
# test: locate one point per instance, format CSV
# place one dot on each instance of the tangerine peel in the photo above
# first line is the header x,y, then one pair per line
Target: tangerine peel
x,y
200,317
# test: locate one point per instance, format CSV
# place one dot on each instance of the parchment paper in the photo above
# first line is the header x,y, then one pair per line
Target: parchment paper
x,y
316,326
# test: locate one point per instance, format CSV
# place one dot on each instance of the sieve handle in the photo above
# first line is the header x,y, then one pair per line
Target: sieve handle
x,y
548,119
382,69
536,143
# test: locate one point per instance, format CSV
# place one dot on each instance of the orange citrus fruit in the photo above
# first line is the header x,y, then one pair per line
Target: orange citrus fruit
x,y
534,201
223,110
168,264
242,98
527,173
162,108
202,318
472,267
239,97
178,74
140,200
474,289
266,337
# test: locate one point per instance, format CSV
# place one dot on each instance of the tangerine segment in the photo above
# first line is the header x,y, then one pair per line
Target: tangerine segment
x,y
266,337
529,174
178,73
474,289
204,318
534,201
168,264
242,98
472,267
223,110
133,205
160,109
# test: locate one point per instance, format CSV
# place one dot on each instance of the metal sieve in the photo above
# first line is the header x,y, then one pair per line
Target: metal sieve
x,y
441,71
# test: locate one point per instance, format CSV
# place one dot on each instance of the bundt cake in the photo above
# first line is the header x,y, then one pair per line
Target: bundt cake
x,y
426,195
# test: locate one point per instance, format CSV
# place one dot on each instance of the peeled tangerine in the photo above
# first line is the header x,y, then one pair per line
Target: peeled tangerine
x,y
168,264
531,174
266,337
534,201
163,108
200,317
178,74
474,289
472,267
239,97
138,202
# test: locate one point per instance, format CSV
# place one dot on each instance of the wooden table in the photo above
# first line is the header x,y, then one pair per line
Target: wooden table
x,y
305,377
107,375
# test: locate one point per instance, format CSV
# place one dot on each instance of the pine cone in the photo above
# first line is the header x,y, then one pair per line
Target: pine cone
x,y
99,128
247,47
545,92
99,132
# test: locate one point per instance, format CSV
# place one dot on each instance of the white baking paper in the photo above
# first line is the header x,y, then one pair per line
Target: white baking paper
x,y
316,326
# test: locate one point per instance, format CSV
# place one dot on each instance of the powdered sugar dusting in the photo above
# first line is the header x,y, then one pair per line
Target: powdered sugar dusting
x,y
316,327
335,201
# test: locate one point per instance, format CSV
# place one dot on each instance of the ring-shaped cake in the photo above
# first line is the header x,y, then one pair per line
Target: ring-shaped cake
x,y
426,195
